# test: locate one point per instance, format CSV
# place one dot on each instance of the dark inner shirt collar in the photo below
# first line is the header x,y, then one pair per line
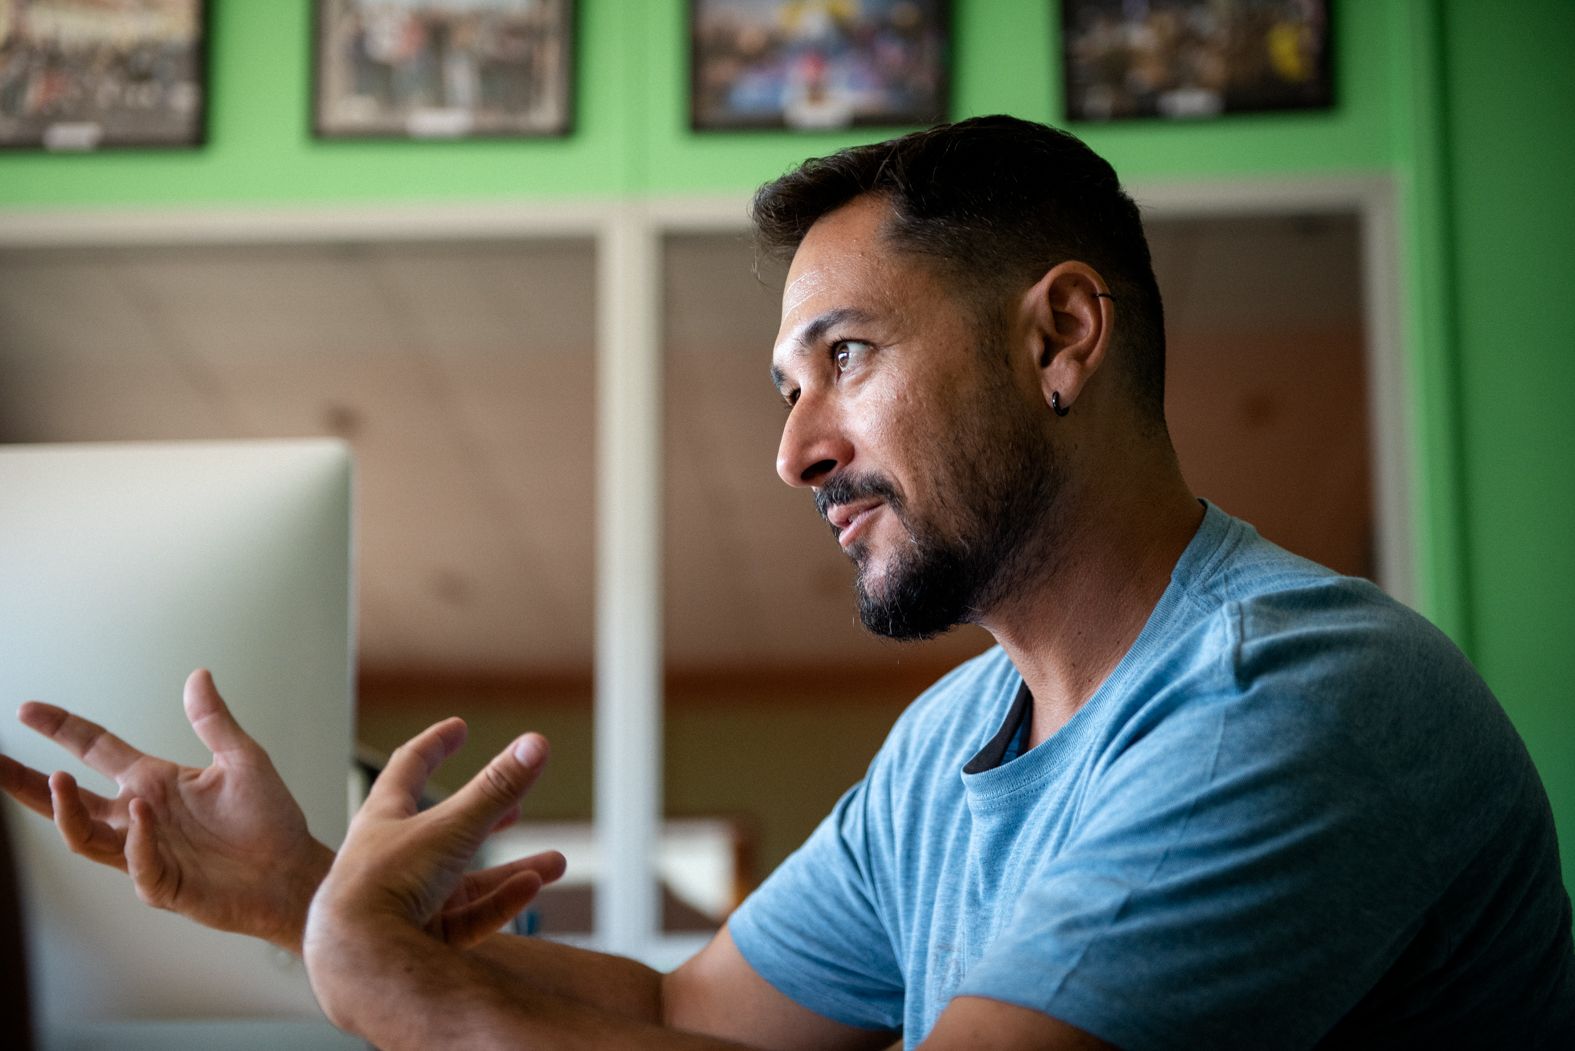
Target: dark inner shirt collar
x,y
1010,740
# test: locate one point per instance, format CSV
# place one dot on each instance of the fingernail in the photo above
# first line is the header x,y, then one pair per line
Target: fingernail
x,y
529,750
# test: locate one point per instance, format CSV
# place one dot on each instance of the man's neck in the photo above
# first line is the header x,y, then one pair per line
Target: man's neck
x,y
1102,575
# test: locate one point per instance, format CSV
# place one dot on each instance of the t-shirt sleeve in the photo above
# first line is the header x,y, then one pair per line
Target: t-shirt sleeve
x,y
1252,861
812,928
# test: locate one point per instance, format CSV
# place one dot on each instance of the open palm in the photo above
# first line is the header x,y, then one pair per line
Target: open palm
x,y
226,845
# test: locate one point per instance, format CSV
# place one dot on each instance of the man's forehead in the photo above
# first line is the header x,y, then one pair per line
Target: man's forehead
x,y
853,231
839,262
829,275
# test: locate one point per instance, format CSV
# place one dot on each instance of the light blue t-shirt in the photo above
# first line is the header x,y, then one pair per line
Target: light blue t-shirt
x,y
1293,815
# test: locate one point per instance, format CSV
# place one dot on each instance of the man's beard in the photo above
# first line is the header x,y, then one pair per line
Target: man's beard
x,y
996,490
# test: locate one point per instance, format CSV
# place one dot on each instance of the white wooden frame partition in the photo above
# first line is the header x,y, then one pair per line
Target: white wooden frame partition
x,y
628,237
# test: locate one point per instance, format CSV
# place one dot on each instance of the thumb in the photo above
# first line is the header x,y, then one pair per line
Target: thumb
x,y
502,783
210,717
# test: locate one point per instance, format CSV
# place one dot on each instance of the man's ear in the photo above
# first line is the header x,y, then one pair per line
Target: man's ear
x,y
1071,313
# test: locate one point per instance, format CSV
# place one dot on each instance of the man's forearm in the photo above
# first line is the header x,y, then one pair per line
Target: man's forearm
x,y
614,985
401,989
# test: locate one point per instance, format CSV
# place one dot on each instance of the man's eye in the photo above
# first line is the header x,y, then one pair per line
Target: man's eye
x,y
849,354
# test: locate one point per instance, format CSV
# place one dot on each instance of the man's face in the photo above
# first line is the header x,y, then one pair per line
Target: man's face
x,y
926,450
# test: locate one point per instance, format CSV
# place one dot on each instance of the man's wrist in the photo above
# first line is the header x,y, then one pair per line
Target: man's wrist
x,y
376,976
299,889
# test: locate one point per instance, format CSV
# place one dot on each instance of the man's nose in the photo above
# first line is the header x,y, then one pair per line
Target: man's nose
x,y
813,446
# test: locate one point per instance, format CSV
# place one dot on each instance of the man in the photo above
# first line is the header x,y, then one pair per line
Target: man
x,y
1203,794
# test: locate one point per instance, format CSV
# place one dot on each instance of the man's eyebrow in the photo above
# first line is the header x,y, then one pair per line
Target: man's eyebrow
x,y
812,333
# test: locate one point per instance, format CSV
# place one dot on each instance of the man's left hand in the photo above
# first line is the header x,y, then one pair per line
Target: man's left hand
x,y
399,890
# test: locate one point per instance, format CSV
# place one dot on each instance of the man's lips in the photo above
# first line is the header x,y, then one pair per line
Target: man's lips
x,y
850,520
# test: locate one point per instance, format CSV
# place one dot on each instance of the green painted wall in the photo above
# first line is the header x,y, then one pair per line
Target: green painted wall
x,y
1509,143
1468,106
260,148
632,114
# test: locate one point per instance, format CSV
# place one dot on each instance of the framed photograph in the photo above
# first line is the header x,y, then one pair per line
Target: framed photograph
x,y
818,63
1187,59
443,69
89,75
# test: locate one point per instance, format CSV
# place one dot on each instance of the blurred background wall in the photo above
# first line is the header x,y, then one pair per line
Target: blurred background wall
x,y
1467,108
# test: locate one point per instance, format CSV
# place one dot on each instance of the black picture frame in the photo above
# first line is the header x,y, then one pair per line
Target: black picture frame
x,y
443,69
812,66
1194,59
80,76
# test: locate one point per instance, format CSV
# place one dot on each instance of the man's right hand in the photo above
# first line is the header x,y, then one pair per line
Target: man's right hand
x,y
226,846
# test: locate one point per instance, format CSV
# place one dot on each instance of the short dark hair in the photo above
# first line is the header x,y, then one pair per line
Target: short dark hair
x,y
993,202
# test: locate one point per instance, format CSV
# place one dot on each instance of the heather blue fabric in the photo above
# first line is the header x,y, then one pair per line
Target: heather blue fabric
x,y
1293,816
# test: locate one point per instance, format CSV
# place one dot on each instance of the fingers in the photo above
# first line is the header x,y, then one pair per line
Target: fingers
x,y
31,788
502,783
150,876
88,741
92,839
210,716
77,813
549,865
27,786
397,790
470,923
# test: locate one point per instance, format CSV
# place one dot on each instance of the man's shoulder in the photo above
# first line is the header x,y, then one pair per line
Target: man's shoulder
x,y
1268,607
1330,672
1344,636
1317,663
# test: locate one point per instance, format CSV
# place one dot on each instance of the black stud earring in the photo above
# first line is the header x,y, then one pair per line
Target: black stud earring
x,y
1055,403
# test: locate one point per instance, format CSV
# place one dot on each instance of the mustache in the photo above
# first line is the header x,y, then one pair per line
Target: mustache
x,y
846,488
